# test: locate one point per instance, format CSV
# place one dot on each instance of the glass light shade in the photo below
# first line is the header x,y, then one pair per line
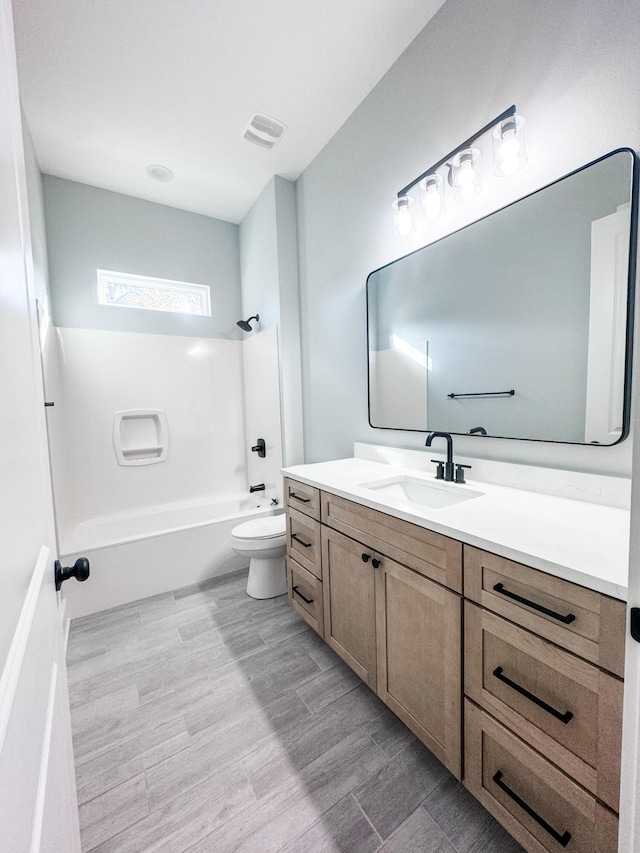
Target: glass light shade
x,y
432,196
466,174
509,146
403,216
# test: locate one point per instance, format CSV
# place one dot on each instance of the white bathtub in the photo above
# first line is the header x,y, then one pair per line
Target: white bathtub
x,y
147,552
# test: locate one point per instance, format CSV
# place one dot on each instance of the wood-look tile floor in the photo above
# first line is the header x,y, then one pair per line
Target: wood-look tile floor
x,y
204,720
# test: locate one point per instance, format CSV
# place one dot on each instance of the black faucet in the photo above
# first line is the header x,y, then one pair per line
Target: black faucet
x,y
477,431
447,474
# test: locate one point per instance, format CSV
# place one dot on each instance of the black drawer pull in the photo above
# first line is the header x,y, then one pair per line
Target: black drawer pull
x,y
564,718
303,597
375,563
366,558
563,839
566,619
298,498
299,540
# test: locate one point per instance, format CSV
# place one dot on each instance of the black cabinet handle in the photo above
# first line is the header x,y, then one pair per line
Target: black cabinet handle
x,y
366,558
295,537
303,597
564,718
565,619
298,498
563,839
375,563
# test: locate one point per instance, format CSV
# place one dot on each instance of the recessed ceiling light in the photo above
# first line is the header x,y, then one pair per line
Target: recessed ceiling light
x,y
159,173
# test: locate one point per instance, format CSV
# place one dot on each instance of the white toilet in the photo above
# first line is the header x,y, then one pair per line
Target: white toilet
x,y
264,541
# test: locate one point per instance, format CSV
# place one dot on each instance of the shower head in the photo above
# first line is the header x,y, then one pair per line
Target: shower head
x,y
245,325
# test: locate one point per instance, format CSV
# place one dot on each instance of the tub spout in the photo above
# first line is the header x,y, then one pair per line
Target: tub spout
x,y
258,488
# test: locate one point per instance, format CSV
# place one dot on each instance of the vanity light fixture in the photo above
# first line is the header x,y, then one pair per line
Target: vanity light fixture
x,y
464,175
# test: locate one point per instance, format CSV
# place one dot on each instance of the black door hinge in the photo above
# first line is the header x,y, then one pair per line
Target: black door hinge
x,y
635,623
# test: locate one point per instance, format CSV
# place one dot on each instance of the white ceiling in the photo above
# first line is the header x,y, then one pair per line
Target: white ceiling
x,y
111,86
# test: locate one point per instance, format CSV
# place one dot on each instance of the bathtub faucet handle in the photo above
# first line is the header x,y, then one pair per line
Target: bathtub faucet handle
x,y
258,488
260,448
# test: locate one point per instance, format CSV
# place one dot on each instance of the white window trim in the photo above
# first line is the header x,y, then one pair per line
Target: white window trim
x,y
106,277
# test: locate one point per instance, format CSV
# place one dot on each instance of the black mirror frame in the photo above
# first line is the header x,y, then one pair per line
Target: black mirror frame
x,y
631,289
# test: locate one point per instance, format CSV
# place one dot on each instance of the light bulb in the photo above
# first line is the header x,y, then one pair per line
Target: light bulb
x,y
404,223
465,174
510,165
432,197
509,146
402,218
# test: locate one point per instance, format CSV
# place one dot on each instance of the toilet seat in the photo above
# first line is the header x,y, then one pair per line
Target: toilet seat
x,y
267,527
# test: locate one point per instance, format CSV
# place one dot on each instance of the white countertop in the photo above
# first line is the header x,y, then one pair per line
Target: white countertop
x,y
586,543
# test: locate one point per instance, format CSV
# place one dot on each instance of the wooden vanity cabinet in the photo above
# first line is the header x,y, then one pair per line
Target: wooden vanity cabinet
x,y
418,637
543,662
543,706
537,803
349,602
306,595
304,561
398,630
581,620
304,498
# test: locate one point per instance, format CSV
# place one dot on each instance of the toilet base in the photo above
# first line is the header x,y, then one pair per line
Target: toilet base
x,y
267,577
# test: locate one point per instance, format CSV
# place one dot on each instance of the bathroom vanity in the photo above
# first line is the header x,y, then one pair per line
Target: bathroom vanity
x,y
491,620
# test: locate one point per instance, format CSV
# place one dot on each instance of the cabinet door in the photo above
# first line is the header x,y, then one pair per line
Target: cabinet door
x,y
419,626
349,602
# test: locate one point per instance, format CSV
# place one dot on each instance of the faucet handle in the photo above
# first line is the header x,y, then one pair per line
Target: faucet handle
x,y
439,470
460,473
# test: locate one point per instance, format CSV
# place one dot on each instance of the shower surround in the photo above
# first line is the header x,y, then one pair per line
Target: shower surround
x,y
215,394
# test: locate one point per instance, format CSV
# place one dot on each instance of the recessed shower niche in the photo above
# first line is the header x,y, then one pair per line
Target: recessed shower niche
x,y
140,436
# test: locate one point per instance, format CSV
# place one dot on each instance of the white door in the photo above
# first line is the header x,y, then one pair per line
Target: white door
x,y
607,327
38,806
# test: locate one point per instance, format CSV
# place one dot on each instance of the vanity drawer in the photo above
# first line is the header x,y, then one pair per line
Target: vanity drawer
x,y
305,595
431,554
303,541
541,807
304,498
587,623
565,708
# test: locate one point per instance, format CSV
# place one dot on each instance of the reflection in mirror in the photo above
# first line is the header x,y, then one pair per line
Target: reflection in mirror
x,y
533,299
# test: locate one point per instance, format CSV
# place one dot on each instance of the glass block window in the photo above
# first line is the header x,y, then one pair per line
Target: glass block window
x,y
153,294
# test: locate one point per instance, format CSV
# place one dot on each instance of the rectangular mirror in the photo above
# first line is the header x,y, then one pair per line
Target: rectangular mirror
x,y
518,325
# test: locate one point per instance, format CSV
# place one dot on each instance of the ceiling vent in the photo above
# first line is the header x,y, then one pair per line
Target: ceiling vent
x,y
263,130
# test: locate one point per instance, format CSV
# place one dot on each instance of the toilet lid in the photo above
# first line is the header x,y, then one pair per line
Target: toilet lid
x,y
266,527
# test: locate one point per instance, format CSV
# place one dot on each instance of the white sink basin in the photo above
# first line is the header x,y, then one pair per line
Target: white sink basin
x,y
433,494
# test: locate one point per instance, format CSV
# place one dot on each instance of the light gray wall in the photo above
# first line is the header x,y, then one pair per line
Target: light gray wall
x,y
259,259
90,228
269,273
571,68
